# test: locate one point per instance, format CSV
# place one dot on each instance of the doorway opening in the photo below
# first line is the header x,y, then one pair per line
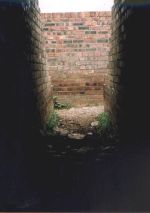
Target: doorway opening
x,y
78,47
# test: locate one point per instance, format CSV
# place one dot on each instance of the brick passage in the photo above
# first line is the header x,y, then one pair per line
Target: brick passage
x,y
77,46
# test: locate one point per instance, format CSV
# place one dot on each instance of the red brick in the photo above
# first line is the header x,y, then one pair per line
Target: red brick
x,y
78,46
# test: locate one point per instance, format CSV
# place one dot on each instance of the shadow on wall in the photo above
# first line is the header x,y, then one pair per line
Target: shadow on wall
x,y
130,99
134,79
20,65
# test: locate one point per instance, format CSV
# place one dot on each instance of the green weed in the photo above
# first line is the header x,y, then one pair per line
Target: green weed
x,y
52,122
58,105
106,129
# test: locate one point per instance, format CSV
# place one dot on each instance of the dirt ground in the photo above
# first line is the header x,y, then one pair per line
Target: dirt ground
x,y
77,121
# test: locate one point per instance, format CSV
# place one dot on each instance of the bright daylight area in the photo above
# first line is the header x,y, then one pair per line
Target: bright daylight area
x,y
75,5
80,97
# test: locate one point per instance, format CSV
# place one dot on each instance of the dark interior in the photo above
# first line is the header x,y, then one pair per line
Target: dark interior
x,y
30,178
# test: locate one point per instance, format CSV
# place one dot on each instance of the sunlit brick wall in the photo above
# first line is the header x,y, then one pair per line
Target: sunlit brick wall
x,y
77,46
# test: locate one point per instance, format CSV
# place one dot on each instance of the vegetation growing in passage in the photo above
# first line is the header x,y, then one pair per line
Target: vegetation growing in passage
x,y
106,129
58,105
52,122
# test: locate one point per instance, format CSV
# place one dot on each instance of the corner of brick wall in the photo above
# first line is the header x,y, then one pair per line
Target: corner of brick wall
x,y
43,85
43,89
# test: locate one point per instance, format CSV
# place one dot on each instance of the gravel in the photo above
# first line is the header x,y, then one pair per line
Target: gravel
x,y
79,120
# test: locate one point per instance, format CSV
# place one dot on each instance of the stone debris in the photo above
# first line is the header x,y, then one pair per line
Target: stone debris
x,y
83,150
94,124
77,123
90,133
61,131
76,136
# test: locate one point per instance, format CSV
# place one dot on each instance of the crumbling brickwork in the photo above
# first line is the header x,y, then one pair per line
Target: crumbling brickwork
x,y
77,46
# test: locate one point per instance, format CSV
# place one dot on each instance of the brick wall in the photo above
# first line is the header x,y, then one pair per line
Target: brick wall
x,y
43,91
25,92
127,90
77,46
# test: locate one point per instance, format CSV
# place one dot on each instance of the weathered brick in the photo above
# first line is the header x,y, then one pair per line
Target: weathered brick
x,y
79,48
